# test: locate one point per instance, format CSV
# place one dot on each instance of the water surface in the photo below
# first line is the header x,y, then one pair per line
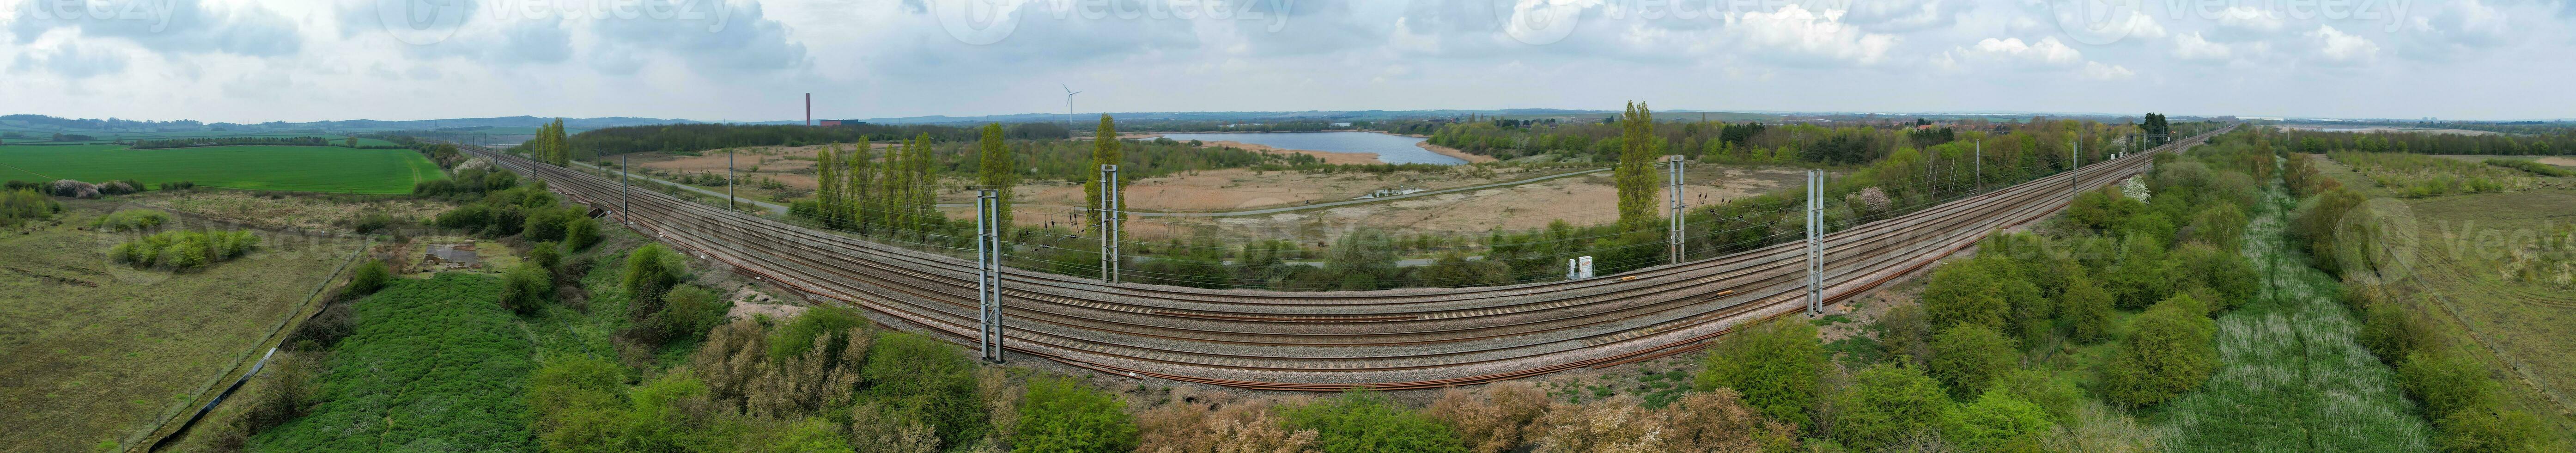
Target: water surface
x,y
1389,148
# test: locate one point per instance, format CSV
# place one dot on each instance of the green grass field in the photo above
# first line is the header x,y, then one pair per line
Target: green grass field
x,y
93,352
283,168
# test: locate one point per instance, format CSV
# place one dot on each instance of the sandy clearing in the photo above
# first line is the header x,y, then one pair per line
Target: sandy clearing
x,y
1581,200
2559,161
1454,152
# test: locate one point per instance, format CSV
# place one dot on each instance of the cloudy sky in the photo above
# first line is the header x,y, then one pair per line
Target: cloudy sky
x,y
745,60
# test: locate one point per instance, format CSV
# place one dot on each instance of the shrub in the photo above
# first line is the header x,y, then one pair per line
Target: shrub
x,y
1905,331
366,279
1062,415
2222,226
2000,422
550,225
179,185
21,204
2051,391
336,321
1775,366
73,189
2170,353
798,335
2227,273
928,379
2491,430
690,310
184,250
2390,333
1967,293
581,233
545,255
2447,381
2143,275
1363,421
1885,404
650,270
1497,421
525,288
1970,357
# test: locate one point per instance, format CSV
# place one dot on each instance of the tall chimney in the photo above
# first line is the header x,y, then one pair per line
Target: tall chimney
x,y
809,109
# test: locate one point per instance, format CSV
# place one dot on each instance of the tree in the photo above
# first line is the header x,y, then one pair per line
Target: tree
x,y
1775,365
861,189
2493,430
2086,309
2169,354
1638,148
1969,357
368,278
828,185
1104,151
1885,404
999,172
353,142
930,381
650,270
1968,293
1059,414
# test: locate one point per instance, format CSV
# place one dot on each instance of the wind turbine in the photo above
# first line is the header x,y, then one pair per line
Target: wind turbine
x,y
1068,103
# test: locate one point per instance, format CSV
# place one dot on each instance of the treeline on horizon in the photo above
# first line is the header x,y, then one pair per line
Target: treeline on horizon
x,y
2561,143
1748,142
683,138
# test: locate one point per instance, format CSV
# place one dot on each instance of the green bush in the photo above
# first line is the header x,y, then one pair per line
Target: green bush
x,y
2000,422
1967,293
1060,415
2448,381
1885,404
650,270
2170,353
2227,273
2143,275
793,339
690,310
366,279
1362,421
2490,430
1774,365
582,233
931,381
525,288
184,250
546,255
1969,358
19,205
550,225
2390,333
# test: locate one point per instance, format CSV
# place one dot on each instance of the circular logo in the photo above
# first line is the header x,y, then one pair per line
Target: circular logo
x,y
2098,22
1539,22
2385,241
422,22
978,22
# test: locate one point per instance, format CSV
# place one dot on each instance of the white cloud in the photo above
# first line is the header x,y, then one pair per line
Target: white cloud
x,y
2191,46
2250,18
1795,32
2337,47
2095,70
2047,52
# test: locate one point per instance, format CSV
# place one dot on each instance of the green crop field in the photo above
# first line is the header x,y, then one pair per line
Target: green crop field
x,y
284,168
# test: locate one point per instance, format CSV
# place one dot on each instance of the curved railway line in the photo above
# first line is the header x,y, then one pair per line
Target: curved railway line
x,y
1321,341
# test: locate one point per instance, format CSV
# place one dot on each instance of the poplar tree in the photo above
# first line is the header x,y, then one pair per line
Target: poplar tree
x,y
997,172
827,183
1104,151
1638,147
925,193
861,187
892,178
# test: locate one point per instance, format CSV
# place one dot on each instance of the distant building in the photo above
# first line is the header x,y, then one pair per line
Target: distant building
x,y
830,123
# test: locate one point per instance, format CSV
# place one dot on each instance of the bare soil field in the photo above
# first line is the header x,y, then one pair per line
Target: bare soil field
x,y
92,353
1582,200
2372,129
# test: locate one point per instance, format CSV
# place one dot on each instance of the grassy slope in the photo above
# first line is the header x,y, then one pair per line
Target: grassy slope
x,y
83,364
287,168
435,365
2290,377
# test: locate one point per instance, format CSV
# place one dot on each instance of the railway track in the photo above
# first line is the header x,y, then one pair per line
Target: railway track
x,y
1319,341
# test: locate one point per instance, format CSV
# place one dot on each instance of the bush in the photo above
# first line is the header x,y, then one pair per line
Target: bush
x,y
690,310
793,339
179,185
1970,357
582,233
1775,365
546,255
2000,422
366,279
551,225
525,288
1362,421
1983,292
336,321
1062,415
23,204
184,250
929,380
650,270
1498,420
2490,430
2447,382
2169,354
1885,404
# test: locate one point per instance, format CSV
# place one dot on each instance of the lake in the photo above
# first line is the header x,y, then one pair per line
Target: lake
x,y
1389,148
